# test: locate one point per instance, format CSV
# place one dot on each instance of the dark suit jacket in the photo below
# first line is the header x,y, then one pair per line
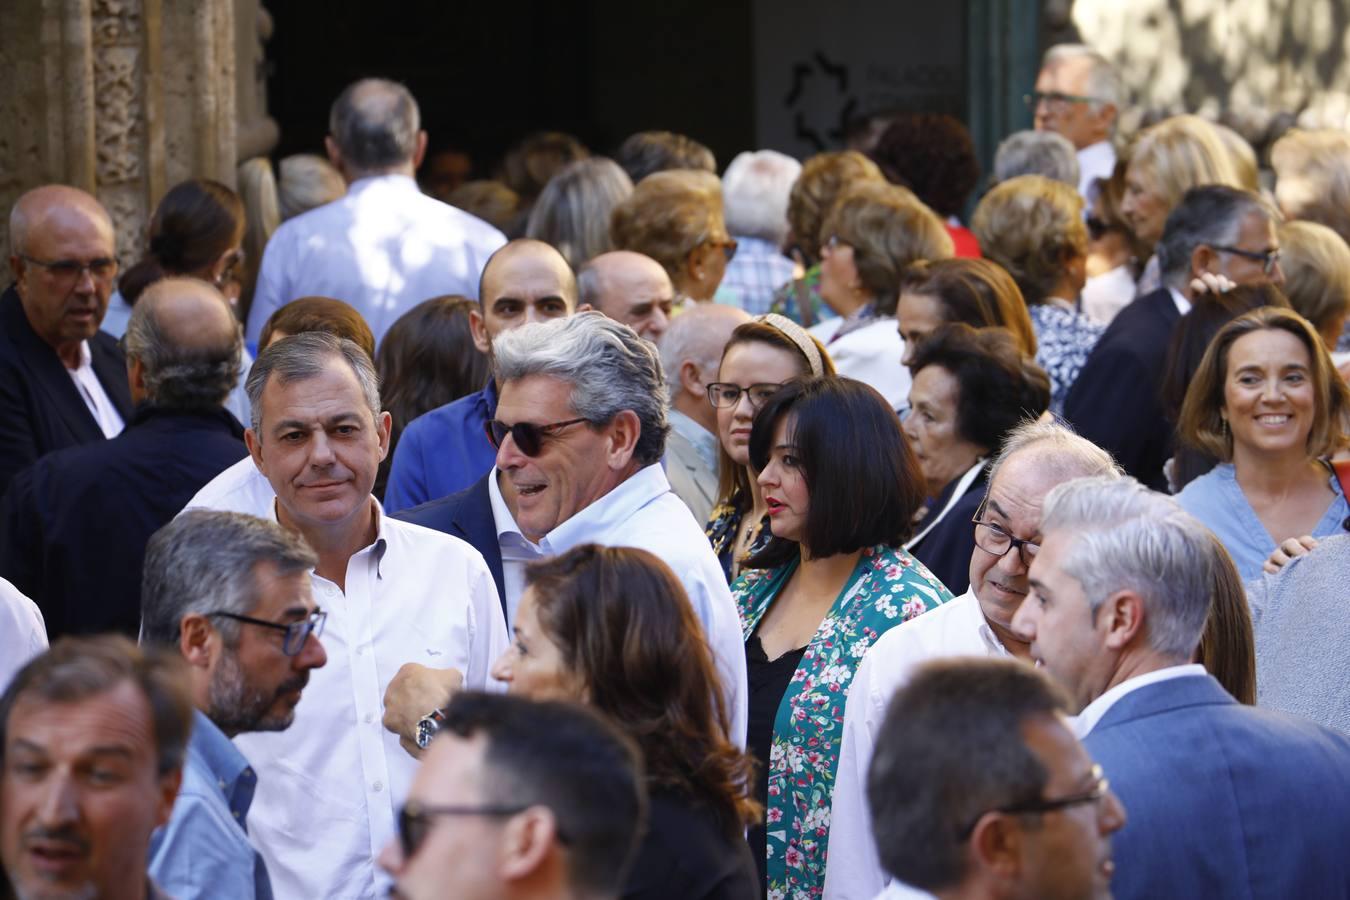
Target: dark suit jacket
x,y
1223,800
1116,402
73,527
946,550
466,515
41,410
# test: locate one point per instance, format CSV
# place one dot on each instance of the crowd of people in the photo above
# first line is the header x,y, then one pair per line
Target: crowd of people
x,y
616,529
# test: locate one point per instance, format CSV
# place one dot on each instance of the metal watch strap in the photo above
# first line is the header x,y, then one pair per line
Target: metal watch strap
x,y
428,726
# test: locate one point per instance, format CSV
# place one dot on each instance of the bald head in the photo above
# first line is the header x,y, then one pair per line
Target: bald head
x,y
631,288
374,127
183,345
691,350
524,281
52,206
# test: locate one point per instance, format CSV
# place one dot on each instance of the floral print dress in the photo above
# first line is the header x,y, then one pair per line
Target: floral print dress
x,y
887,587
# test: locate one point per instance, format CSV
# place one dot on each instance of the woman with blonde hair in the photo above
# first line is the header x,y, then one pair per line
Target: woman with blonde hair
x,y
1312,177
675,217
574,209
1316,264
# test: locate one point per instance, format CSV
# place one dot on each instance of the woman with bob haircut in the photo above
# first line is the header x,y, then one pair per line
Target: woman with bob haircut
x,y
760,356
842,487
1033,227
977,292
871,235
582,635
971,388
574,209
675,217
1267,402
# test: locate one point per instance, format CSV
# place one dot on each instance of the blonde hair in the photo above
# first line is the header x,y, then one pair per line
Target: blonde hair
x,y
1030,225
1185,152
668,215
1312,177
823,178
306,181
1316,263
1242,156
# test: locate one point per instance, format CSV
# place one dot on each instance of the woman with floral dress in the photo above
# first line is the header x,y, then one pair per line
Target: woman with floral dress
x,y
841,486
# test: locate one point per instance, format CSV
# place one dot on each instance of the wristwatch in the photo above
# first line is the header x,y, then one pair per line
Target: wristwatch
x,y
427,726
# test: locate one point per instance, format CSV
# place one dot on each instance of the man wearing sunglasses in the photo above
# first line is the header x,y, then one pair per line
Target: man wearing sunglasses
x,y
231,594
1078,95
1225,800
62,381
1007,526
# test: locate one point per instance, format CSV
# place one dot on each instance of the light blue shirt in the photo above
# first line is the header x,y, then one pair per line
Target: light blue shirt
x,y
204,850
1217,501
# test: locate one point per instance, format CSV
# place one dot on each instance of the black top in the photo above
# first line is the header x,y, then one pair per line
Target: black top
x,y
946,550
768,680
688,855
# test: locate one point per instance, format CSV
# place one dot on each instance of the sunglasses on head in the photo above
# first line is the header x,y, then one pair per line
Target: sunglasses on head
x,y
529,437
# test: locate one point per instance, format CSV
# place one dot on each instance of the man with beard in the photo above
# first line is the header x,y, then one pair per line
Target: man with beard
x,y
232,593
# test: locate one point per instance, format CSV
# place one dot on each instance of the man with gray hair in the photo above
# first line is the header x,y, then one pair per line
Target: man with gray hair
x,y
231,594
1116,400
73,526
1224,800
1079,95
691,353
755,190
395,593
1035,457
1046,153
385,246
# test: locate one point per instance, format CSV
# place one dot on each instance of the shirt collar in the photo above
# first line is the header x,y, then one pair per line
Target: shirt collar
x,y
227,767
86,358
703,440
392,181
988,637
608,512
1093,713
503,521
379,545
1183,305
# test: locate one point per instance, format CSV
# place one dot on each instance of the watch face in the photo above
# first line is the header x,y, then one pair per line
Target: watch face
x,y
426,730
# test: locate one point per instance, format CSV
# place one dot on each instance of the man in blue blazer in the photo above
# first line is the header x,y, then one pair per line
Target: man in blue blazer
x,y
1224,800
62,381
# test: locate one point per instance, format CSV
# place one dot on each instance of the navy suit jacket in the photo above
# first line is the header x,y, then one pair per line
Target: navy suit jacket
x,y
1116,402
41,410
466,515
1223,800
946,550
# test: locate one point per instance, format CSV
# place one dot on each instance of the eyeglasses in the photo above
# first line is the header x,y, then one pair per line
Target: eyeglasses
x,y
996,542
415,821
1054,98
1094,794
529,438
1268,259
725,395
728,247
296,632
1096,227
69,271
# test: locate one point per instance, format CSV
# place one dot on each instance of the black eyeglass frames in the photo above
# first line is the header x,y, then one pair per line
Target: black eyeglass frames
x,y
296,632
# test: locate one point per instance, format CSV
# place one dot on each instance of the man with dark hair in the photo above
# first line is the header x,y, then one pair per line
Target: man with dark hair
x,y
980,791
646,152
385,246
62,381
520,800
92,738
445,450
231,593
73,527
1116,400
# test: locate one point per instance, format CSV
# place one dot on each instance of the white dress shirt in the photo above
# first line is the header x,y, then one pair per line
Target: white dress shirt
x,y
23,633
1085,721
1094,161
330,785
1183,305
871,354
384,247
240,488
853,870
94,396
643,512
517,550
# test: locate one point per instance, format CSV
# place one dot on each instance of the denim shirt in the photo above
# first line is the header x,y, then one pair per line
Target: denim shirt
x,y
204,850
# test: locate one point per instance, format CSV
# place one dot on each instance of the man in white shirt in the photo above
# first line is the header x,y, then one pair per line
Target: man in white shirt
x,y
1224,800
691,352
23,635
385,246
329,786
1035,457
1078,94
580,428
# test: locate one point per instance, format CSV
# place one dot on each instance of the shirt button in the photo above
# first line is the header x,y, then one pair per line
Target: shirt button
x,y
370,717
377,786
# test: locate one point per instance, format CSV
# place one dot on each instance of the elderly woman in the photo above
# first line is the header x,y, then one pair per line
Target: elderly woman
x,y
1033,227
1268,404
574,209
755,187
873,233
675,217
971,388
759,357
1316,264
647,667
977,292
842,487
824,177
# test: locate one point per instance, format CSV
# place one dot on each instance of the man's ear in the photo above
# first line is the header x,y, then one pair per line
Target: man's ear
x,y
167,789
996,845
478,328
196,638
624,432
1106,116
254,445
334,154
691,379
384,424
1121,617
527,841
420,151
1203,259
136,379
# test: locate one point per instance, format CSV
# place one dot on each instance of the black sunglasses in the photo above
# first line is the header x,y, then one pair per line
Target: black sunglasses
x,y
415,821
528,437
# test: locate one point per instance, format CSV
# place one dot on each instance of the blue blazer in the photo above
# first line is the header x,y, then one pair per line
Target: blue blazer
x,y
466,515
1224,800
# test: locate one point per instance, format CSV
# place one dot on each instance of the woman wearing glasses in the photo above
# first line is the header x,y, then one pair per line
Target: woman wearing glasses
x,y
647,667
841,486
758,358
1267,402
